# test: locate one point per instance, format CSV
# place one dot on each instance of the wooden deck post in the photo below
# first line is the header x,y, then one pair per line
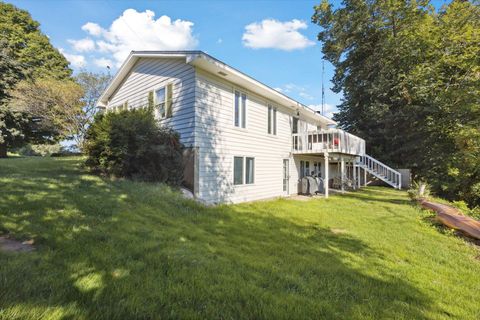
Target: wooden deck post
x,y
342,173
325,182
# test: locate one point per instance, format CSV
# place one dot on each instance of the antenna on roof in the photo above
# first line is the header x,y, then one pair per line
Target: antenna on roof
x,y
323,88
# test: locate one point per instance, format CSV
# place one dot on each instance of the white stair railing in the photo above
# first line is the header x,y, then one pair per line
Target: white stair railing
x,y
381,171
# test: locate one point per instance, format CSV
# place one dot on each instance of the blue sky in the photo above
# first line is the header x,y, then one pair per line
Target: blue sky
x,y
273,41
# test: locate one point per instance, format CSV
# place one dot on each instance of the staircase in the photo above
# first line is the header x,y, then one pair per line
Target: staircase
x,y
381,171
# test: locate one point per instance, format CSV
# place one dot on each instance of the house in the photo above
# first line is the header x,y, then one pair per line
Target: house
x,y
246,141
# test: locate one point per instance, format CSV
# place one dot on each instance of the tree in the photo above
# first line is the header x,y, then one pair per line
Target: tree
x,y
53,105
25,53
409,77
93,85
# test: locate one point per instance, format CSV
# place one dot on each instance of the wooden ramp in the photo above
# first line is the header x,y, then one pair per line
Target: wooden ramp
x,y
453,218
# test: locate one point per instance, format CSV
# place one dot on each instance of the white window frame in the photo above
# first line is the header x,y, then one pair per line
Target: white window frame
x,y
244,170
272,122
165,102
242,117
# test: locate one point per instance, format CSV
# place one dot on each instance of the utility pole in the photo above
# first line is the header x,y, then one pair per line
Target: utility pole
x,y
323,87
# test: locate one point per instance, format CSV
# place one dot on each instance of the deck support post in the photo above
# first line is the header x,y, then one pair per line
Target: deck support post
x,y
359,176
342,173
325,182
354,175
364,177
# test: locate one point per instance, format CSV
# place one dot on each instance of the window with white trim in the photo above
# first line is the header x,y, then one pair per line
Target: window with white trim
x,y
249,170
243,170
237,170
240,109
163,101
272,120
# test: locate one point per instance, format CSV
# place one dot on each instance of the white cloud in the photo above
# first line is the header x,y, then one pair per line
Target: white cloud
x,y
103,62
305,95
83,45
135,30
92,28
76,60
329,111
291,88
275,34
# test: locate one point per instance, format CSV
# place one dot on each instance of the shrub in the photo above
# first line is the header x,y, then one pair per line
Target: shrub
x,y
419,190
42,150
131,144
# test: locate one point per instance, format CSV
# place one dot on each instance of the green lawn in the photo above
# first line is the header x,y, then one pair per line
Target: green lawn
x,y
124,250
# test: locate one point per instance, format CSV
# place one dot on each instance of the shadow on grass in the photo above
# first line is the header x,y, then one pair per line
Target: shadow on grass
x,y
131,250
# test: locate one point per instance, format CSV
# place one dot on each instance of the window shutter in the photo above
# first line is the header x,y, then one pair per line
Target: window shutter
x,y
169,100
150,100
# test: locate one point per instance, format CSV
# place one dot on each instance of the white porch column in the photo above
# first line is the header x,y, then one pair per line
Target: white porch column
x,y
354,169
325,182
364,177
342,172
359,175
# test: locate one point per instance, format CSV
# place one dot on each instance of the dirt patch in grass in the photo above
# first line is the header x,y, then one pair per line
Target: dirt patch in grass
x,y
10,245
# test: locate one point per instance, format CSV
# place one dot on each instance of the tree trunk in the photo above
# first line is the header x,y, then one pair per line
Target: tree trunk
x,y
3,150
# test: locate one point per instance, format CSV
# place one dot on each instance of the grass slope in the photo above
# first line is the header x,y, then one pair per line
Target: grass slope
x,y
119,249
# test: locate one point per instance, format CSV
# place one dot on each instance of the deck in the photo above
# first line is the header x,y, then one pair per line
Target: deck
x,y
327,141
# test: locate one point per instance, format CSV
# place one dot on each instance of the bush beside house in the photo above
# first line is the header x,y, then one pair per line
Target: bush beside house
x,y
131,144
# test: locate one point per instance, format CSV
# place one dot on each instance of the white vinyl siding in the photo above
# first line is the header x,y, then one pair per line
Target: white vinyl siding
x,y
149,74
219,142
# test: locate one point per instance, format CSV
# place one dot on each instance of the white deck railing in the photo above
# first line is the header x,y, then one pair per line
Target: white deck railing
x,y
328,140
381,171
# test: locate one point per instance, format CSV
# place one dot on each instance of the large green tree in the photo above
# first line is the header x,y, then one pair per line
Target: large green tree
x,y
93,85
410,79
25,54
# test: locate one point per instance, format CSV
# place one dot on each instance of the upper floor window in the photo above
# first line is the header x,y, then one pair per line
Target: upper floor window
x,y
240,109
272,120
163,101
295,125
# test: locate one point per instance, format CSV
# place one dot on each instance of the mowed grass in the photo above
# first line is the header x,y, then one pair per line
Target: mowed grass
x,y
125,250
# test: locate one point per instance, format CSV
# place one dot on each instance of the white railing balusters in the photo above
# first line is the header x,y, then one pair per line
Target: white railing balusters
x,y
381,171
327,140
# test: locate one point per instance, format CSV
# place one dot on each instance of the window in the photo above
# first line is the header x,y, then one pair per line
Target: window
x,y
307,168
239,163
163,101
295,125
238,170
240,109
272,120
250,168
302,169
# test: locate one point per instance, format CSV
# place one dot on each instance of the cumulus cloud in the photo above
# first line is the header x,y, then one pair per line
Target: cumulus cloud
x,y
76,60
329,111
135,30
103,62
270,33
82,45
92,28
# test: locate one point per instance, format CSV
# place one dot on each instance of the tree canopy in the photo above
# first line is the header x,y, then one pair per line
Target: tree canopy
x,y
26,54
410,78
